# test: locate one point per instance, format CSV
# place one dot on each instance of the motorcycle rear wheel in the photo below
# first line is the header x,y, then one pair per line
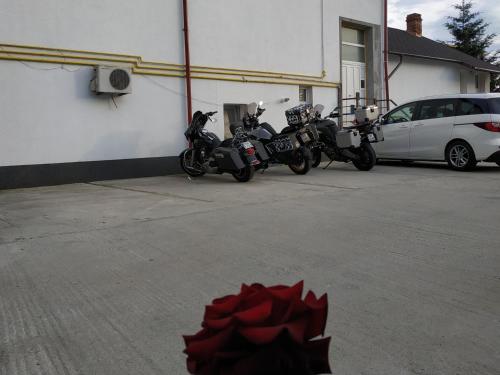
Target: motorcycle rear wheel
x,y
301,161
368,158
245,174
191,171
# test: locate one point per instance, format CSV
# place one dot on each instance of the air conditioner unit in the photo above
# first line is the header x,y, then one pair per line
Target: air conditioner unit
x,y
112,80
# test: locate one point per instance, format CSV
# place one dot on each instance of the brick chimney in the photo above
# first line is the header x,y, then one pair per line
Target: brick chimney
x,y
414,24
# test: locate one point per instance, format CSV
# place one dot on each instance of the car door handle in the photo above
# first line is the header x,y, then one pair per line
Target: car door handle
x,y
419,124
403,126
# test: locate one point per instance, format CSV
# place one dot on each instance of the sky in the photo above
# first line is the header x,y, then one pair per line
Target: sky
x,y
434,13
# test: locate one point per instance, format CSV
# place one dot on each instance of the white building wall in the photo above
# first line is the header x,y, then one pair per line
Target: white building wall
x,y
49,114
417,78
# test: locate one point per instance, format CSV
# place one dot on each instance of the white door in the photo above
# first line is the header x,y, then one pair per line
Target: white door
x,y
396,127
353,69
432,129
353,82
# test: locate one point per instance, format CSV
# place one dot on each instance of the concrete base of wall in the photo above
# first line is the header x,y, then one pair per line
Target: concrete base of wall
x,y
24,176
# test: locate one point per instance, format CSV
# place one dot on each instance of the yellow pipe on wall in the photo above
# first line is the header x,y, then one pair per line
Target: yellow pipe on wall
x,y
52,55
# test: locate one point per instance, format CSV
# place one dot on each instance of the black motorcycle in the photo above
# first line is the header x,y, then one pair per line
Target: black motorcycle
x,y
208,154
290,146
351,144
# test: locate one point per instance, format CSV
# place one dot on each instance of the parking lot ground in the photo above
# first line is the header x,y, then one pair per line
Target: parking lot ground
x,y
104,278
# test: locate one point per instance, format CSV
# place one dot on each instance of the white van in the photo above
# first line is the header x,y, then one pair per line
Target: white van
x,y
462,129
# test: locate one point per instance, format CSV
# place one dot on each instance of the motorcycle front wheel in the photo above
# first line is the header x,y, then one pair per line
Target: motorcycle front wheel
x,y
196,170
301,161
245,174
367,157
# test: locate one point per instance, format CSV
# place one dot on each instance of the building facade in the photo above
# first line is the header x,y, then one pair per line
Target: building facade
x,y
54,129
420,67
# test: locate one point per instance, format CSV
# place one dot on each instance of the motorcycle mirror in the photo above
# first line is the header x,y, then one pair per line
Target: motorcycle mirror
x,y
252,109
261,103
319,108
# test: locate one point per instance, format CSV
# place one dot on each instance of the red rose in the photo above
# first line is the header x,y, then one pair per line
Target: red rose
x,y
261,331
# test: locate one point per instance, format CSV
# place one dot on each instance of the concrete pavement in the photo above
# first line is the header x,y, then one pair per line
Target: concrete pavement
x,y
104,278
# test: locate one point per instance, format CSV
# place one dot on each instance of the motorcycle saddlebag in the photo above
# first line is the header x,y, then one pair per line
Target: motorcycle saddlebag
x,y
261,151
228,159
348,138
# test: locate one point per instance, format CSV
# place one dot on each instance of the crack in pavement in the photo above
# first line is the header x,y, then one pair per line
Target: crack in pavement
x,y
109,186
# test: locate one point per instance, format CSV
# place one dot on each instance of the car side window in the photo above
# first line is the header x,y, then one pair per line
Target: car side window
x,y
440,108
471,106
402,114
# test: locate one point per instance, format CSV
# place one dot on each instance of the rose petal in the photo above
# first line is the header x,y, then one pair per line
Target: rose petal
x,y
222,306
297,329
255,315
295,309
205,349
319,314
318,352
266,335
201,335
287,293
218,324
260,335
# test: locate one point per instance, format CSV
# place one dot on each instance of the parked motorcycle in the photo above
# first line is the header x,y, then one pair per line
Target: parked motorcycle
x,y
351,144
290,146
208,154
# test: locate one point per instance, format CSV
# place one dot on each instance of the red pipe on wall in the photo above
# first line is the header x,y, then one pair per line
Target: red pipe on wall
x,y
187,62
386,55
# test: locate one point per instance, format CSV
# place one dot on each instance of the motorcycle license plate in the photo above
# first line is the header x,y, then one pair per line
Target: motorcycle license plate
x,y
372,138
305,137
247,145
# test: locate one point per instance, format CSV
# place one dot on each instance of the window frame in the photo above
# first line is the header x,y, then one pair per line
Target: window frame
x,y
416,104
420,104
485,106
351,44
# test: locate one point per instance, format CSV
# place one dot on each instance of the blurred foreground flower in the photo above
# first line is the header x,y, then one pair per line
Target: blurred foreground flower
x,y
261,331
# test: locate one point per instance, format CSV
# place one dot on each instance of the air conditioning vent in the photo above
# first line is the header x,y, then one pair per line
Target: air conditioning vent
x,y
119,79
112,80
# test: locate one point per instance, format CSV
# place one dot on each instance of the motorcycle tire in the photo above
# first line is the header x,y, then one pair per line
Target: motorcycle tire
x,y
316,158
245,174
301,161
190,171
368,158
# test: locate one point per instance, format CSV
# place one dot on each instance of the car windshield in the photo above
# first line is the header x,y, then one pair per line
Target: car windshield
x,y
494,104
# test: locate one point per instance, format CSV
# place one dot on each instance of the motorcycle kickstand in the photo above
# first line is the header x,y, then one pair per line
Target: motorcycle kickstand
x,y
330,163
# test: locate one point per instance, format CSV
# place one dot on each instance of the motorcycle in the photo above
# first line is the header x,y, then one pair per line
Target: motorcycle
x,y
290,146
208,154
351,144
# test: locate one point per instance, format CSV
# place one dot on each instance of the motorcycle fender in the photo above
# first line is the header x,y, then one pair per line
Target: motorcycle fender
x,y
260,150
228,159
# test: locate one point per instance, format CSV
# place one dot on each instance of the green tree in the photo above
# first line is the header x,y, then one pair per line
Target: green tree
x,y
470,35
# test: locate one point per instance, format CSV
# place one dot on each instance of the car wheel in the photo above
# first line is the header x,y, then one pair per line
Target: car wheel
x,y
460,156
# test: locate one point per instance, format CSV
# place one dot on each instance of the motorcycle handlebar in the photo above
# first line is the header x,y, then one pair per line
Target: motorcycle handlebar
x,y
210,114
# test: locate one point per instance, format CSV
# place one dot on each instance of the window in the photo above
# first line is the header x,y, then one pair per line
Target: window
x,y
403,114
437,109
353,45
233,113
477,81
494,106
467,107
305,94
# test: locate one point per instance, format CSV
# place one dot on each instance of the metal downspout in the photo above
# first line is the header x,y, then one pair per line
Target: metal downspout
x,y
386,55
187,62
397,66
